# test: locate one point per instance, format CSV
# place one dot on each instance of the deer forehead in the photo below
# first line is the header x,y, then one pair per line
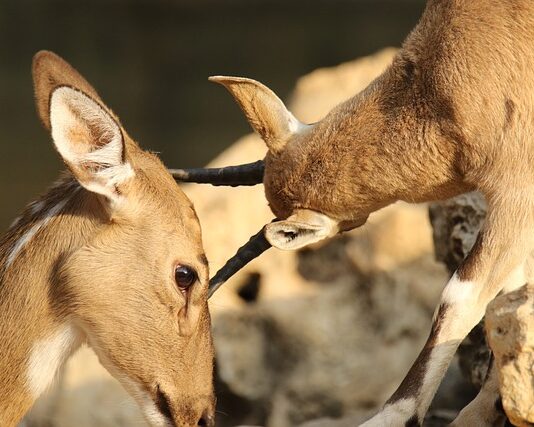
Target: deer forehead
x,y
156,203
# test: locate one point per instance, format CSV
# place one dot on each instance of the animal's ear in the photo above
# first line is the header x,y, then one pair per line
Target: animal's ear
x,y
89,140
301,229
265,112
49,72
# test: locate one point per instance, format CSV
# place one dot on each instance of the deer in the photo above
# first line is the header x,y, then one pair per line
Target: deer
x,y
110,256
453,113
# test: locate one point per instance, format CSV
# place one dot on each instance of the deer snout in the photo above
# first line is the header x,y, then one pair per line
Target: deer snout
x,y
192,412
207,419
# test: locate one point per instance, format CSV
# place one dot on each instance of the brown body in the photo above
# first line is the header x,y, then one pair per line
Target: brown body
x,y
453,113
435,124
93,261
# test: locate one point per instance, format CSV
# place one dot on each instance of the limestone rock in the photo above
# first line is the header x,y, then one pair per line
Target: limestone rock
x,y
510,331
455,224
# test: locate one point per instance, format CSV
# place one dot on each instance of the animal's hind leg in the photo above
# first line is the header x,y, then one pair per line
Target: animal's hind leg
x,y
495,261
485,409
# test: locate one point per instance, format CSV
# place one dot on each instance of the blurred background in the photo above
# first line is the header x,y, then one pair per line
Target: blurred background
x,y
314,338
150,60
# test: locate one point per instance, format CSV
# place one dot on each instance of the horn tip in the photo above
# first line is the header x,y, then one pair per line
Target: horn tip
x,y
214,285
179,174
217,79
228,80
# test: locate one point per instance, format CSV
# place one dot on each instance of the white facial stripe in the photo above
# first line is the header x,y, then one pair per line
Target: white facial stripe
x,y
19,244
48,355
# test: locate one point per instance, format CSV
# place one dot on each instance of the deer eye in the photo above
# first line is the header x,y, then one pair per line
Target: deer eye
x,y
185,276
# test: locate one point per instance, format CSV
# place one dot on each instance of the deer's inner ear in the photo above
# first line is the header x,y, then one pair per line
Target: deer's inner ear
x,y
301,229
89,140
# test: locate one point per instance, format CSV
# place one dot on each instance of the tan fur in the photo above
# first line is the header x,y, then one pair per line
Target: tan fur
x,y
109,271
430,127
453,113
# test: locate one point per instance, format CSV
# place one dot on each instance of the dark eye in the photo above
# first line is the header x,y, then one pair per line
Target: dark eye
x,y
185,276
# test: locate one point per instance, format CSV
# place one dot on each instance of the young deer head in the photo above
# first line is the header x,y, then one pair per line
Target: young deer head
x,y
111,256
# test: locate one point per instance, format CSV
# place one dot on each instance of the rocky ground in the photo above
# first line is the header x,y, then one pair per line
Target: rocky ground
x,y
315,338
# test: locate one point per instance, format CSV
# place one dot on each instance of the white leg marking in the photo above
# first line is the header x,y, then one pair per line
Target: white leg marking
x,y
440,359
48,355
458,291
394,414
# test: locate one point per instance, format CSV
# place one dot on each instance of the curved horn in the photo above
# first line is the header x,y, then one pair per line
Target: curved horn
x,y
233,176
246,253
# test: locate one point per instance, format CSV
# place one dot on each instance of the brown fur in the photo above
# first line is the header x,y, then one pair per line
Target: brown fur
x,y
110,272
430,127
453,113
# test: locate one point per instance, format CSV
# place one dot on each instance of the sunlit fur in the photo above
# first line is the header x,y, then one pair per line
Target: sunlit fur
x,y
453,113
78,266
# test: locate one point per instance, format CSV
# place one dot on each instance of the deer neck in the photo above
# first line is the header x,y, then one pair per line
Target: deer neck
x,y
369,153
37,334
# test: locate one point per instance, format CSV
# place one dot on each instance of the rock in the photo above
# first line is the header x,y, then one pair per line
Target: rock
x,y
343,349
510,331
455,224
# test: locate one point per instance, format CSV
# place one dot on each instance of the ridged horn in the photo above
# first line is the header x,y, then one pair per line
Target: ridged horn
x,y
246,253
233,176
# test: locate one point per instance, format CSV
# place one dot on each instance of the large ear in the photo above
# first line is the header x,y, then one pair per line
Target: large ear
x,y
302,228
265,112
49,72
85,132
89,140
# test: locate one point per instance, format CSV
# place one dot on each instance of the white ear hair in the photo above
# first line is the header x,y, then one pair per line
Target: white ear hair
x,y
89,140
301,229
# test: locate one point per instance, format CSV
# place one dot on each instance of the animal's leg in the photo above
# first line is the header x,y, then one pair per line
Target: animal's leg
x,y
485,410
495,261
